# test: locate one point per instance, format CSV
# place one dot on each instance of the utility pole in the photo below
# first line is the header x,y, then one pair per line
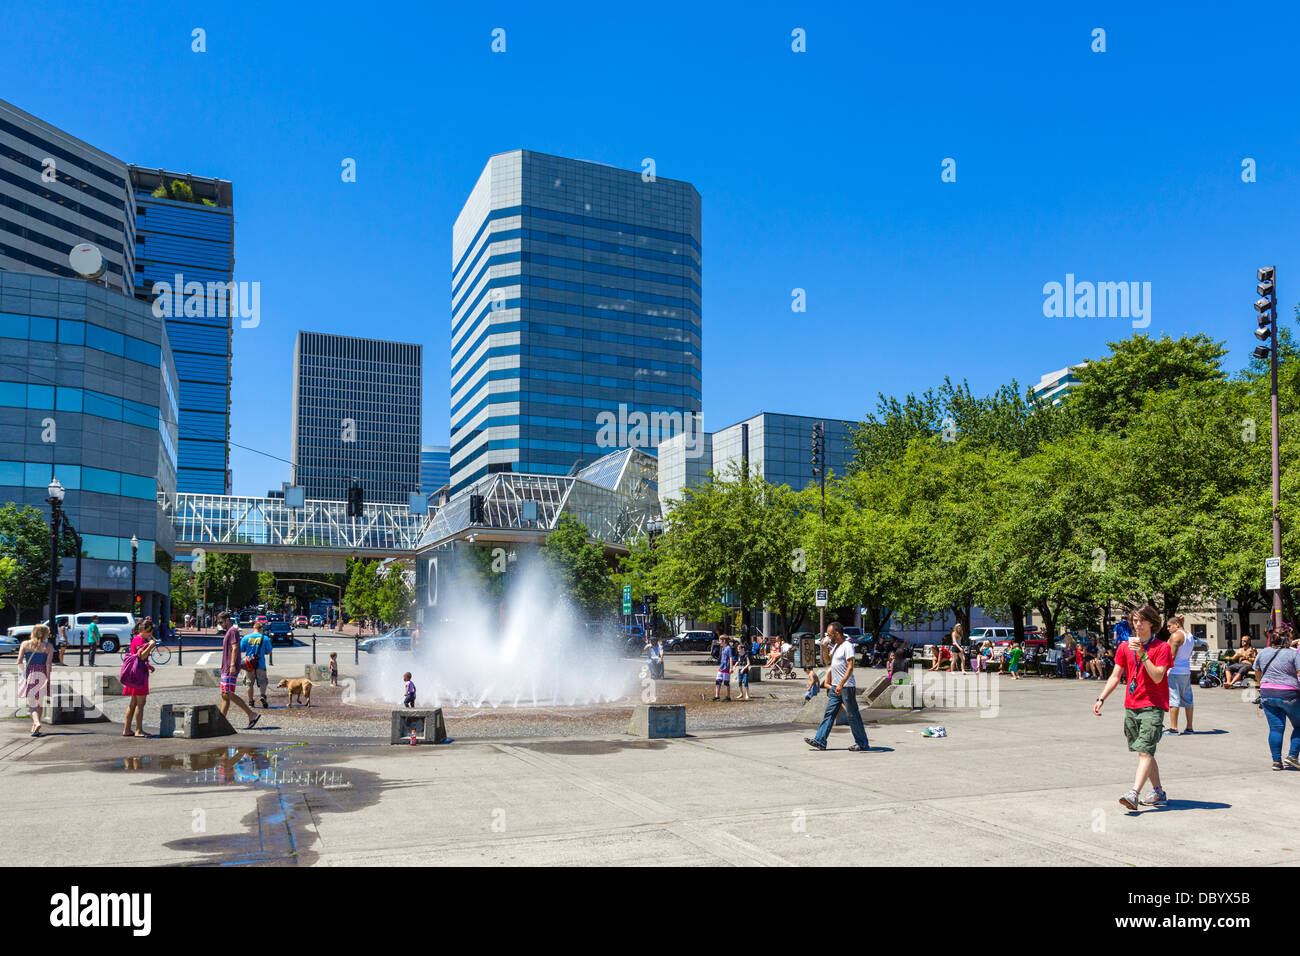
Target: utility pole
x,y
819,470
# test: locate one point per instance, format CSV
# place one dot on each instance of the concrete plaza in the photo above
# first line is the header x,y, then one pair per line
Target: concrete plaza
x,y
1036,784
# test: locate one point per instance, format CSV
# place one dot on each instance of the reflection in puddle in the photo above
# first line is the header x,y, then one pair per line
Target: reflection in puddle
x,y
272,767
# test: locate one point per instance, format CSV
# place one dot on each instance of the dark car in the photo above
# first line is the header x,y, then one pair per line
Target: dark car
x,y
279,629
690,641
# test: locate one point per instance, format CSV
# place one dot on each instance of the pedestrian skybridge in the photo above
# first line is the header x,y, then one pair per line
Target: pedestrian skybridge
x,y
614,497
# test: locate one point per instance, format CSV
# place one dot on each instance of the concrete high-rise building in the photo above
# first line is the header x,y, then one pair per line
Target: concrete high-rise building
x,y
435,468
57,192
187,236
356,414
1054,387
576,315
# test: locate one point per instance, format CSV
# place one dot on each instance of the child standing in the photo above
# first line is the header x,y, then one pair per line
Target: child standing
x,y
409,699
334,669
742,665
1017,652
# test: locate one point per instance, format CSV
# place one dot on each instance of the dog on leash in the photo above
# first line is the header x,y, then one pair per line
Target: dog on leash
x,y
300,688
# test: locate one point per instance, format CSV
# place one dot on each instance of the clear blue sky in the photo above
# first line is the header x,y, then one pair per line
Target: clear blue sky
x,y
818,170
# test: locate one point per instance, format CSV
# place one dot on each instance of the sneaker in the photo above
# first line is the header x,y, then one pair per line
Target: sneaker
x,y
1129,800
265,705
1171,730
814,744
1157,799
252,721
1292,762
1277,765
859,750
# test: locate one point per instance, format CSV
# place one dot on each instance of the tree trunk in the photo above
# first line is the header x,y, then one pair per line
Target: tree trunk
x,y
1044,608
1018,621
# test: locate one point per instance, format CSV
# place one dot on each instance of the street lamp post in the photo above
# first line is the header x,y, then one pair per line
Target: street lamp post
x,y
56,516
1266,306
135,597
819,470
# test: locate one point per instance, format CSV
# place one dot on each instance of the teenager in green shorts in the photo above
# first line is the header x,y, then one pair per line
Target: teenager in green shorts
x,y
1143,664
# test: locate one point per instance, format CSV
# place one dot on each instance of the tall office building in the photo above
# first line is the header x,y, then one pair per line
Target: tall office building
x,y
188,235
435,468
1054,387
576,298
356,415
88,396
776,446
57,192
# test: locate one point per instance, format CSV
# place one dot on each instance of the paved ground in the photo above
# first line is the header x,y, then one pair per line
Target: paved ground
x,y
1035,784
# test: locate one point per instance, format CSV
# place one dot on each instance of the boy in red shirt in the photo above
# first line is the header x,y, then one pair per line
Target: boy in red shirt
x,y
1144,664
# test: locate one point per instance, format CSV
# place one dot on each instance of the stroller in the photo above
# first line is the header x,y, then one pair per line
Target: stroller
x,y
1211,674
783,668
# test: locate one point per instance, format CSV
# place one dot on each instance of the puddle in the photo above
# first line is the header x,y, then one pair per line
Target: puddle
x,y
259,766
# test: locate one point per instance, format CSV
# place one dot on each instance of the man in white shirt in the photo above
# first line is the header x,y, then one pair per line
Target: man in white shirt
x,y
842,691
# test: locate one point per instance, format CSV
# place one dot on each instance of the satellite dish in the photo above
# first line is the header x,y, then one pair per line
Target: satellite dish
x,y
86,261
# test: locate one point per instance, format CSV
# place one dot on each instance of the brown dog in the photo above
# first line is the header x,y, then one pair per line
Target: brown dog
x,y
299,687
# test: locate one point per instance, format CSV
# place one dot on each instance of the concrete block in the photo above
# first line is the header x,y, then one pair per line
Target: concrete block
x,y
317,673
193,721
656,721
109,685
207,677
66,703
812,713
756,673
427,725
878,694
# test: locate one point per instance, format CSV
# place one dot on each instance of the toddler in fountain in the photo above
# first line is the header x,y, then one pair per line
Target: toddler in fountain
x,y
409,699
334,670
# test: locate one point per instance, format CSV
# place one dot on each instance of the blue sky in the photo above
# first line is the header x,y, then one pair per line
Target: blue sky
x,y
818,170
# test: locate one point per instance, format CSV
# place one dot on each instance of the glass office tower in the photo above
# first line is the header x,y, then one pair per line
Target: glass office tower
x,y
196,241
356,414
435,468
576,302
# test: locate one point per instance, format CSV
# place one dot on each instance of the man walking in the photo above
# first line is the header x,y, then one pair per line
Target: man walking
x,y
230,670
842,691
254,648
92,637
1144,664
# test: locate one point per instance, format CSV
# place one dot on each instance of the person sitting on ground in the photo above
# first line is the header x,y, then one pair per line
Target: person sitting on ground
x,y
941,654
1240,663
889,667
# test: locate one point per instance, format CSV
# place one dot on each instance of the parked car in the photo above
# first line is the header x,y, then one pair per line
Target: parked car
x,y
9,645
261,619
690,641
316,621
114,629
1003,635
398,639
300,621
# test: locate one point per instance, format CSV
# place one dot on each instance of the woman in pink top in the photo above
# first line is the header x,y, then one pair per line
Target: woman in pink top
x,y
142,645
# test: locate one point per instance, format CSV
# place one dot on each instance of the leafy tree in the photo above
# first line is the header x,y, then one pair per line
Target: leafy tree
x,y
393,598
185,594
1112,389
579,566
8,571
361,599
25,538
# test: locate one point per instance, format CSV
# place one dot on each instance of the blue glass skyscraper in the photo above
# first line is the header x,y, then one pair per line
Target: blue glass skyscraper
x,y
576,301
194,240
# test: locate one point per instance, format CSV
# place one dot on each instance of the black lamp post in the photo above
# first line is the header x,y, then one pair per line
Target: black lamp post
x,y
135,598
1266,306
56,516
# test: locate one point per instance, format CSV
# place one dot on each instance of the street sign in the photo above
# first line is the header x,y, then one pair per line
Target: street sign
x,y
823,597
1272,574
627,599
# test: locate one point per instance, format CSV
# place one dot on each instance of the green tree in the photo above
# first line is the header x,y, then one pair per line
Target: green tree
x,y
25,537
393,598
579,566
361,599
185,594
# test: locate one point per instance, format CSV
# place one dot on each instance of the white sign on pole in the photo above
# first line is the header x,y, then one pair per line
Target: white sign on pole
x,y
823,597
1272,574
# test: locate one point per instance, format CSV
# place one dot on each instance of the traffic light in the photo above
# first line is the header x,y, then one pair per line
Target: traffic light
x,y
356,502
476,509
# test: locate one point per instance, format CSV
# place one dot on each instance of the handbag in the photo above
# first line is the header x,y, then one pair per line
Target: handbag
x,y
133,673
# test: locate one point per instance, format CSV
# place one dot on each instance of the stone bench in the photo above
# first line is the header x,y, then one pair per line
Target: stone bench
x,y
427,725
656,721
317,673
192,721
207,677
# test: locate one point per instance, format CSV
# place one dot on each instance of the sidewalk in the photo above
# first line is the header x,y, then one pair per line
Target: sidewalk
x,y
1037,784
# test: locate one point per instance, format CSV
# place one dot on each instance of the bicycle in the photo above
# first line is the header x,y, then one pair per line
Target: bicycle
x,y
161,654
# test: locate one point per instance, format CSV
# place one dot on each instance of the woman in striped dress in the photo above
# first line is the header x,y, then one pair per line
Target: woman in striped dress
x,y
35,658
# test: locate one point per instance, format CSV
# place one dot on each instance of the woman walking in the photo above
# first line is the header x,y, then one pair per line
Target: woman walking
x,y
35,658
1143,663
135,679
1277,668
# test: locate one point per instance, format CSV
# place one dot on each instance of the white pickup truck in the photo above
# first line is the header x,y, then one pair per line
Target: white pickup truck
x,y
114,629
